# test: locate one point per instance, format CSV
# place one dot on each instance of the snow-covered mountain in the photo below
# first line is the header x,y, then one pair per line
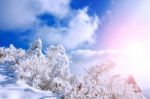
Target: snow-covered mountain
x,y
33,75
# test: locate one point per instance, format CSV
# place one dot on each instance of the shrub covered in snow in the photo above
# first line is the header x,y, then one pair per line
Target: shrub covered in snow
x,y
10,53
46,72
50,71
98,83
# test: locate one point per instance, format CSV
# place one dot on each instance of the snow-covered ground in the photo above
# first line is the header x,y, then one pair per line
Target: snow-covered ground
x,y
146,93
12,89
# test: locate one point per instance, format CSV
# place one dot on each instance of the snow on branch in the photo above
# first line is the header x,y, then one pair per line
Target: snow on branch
x,y
50,71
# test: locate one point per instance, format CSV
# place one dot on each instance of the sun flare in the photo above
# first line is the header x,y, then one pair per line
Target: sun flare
x,y
136,51
134,60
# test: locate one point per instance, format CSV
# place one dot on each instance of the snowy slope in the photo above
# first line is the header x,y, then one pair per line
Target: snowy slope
x,y
10,89
21,70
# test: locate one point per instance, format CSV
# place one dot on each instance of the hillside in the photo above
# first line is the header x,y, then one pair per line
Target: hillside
x,y
33,75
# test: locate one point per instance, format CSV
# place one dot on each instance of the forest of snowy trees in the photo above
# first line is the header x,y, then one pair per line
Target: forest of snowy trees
x,y
50,70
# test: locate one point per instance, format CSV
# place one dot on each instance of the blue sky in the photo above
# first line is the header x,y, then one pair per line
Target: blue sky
x,y
21,35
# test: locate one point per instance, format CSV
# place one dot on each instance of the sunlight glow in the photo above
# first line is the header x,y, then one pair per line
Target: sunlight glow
x,y
130,32
135,51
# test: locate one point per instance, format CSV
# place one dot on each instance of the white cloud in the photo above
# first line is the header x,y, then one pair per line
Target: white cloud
x,y
16,13
92,57
59,8
23,13
125,65
82,59
81,28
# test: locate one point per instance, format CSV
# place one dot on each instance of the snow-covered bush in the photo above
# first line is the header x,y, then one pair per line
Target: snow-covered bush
x,y
46,72
93,85
99,83
10,54
29,68
50,71
35,48
58,64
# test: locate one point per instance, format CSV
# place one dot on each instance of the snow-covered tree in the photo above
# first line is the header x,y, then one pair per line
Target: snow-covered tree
x,y
10,54
99,83
50,71
58,66
93,84
35,48
46,72
32,64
